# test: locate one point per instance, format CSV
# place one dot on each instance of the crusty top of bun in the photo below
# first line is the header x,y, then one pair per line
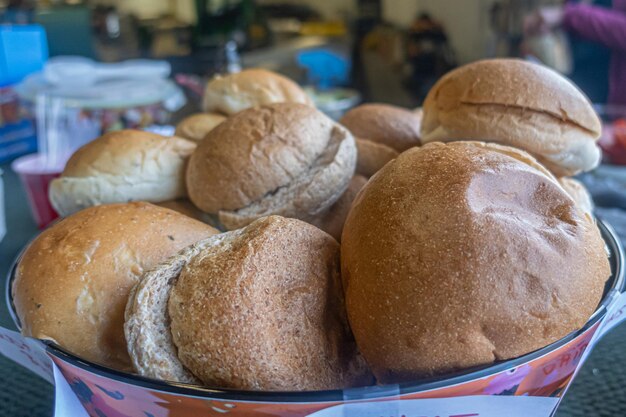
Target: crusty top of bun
x,y
72,282
186,207
332,219
515,103
233,93
196,126
389,125
267,148
122,166
579,193
260,308
514,83
372,156
458,255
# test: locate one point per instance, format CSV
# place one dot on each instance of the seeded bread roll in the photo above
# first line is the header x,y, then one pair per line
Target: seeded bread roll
x,y
259,308
122,166
72,282
463,254
515,103
233,93
287,159
196,126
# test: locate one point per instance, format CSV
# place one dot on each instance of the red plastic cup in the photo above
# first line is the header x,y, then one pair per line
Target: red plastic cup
x,y
36,177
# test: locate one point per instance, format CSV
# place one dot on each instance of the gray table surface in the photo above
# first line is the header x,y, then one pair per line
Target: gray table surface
x,y
599,389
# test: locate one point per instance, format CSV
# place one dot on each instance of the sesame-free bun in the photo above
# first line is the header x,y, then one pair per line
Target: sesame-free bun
x,y
233,93
196,126
72,282
332,219
579,193
186,207
515,103
372,156
259,308
462,254
382,132
122,166
287,159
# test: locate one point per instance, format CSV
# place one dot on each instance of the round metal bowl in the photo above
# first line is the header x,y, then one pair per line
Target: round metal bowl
x,y
538,379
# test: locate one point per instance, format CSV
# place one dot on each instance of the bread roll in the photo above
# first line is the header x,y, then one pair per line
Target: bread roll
x,y
72,282
122,166
515,103
287,159
186,207
463,254
383,131
233,93
196,126
579,193
332,220
372,156
260,308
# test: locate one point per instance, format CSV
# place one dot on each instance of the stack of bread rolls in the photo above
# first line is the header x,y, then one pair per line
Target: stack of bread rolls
x,y
462,240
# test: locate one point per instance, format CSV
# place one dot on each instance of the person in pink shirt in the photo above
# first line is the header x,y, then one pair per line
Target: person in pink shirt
x,y
603,25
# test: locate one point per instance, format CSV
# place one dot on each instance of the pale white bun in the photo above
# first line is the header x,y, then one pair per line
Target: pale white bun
x,y
122,166
515,103
233,93
196,126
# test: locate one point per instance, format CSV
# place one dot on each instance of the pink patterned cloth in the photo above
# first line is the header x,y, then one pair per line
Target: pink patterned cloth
x,y
608,27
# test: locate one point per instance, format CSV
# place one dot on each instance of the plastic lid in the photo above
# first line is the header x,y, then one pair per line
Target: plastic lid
x,y
106,94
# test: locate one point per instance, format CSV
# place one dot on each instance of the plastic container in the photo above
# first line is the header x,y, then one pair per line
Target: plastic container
x,y
36,176
91,105
529,385
23,50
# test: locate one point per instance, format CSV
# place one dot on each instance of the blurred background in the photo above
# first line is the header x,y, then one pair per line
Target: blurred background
x,y
346,51
72,70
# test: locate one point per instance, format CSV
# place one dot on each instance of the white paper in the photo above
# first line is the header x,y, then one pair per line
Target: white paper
x,y
470,406
615,315
66,403
29,353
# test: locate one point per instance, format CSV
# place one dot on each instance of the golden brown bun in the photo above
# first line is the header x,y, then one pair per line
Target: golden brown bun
x,y
287,159
384,124
260,308
122,166
462,254
331,221
73,281
515,103
579,193
372,156
186,207
196,126
233,93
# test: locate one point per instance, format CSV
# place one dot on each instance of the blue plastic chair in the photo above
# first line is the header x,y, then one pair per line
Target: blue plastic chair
x,y
325,68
